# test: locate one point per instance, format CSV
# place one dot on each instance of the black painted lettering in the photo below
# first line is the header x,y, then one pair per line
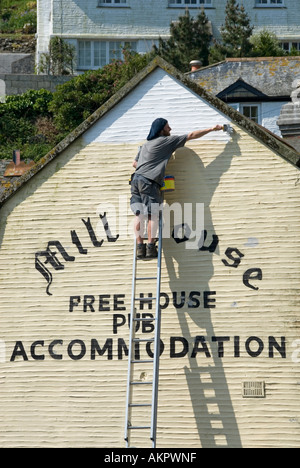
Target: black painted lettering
x,y
109,235
19,350
57,357
236,260
118,321
104,303
252,274
37,357
91,232
203,349
76,241
260,346
82,350
118,302
108,347
149,350
236,346
212,247
281,348
185,232
74,302
184,344
178,305
209,303
147,327
167,300
193,301
88,302
122,347
220,340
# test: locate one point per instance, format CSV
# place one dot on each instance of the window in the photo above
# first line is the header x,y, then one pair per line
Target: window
x,y
96,54
112,2
289,46
269,3
252,111
192,3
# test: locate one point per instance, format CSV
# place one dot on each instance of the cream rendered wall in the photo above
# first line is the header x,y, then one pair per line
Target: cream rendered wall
x,y
56,387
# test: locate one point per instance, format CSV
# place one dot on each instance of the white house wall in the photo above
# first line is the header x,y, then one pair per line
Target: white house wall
x,y
79,19
230,311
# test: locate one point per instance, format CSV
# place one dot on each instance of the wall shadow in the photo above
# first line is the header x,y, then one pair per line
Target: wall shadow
x,y
191,270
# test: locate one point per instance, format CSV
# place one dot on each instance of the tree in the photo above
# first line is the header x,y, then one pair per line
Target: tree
x,y
235,34
189,40
266,44
60,58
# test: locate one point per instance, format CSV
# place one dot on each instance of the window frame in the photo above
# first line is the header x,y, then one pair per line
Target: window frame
x,y
197,4
102,3
239,106
268,4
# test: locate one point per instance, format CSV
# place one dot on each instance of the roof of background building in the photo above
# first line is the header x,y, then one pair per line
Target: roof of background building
x,y
272,76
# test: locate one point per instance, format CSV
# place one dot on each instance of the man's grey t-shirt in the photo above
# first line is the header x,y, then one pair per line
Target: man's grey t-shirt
x,y
154,155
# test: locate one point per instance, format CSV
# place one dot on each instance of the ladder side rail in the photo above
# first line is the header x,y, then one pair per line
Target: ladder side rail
x,y
157,340
131,343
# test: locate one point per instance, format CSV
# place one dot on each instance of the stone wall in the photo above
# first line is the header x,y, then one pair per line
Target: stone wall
x,y
18,84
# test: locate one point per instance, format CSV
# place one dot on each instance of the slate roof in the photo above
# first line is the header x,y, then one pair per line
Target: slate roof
x,y
8,188
272,76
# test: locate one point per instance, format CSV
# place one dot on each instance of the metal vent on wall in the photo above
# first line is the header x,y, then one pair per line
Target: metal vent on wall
x,y
253,389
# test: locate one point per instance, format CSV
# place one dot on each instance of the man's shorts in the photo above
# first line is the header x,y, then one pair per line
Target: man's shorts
x,y
146,196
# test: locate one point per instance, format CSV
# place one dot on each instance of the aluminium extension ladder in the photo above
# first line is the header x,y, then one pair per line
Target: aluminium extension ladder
x,y
150,416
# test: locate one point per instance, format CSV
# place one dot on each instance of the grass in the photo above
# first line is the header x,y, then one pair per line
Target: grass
x,y
17,17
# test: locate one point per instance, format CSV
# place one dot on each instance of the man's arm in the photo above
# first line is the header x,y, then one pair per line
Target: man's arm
x,y
200,133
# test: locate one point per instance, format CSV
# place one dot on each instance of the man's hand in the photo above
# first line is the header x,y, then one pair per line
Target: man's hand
x,y
217,128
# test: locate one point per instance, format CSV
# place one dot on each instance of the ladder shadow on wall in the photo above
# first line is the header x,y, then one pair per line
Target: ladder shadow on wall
x,y
192,269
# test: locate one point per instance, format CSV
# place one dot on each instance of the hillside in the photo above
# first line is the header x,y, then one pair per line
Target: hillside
x,y
17,25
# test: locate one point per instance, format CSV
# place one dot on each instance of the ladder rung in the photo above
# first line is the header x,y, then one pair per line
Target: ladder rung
x,y
146,278
136,405
139,427
144,319
139,340
145,299
142,361
141,383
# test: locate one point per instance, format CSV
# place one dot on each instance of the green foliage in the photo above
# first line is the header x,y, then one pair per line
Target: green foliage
x,y
18,16
60,58
27,121
75,100
30,104
190,38
235,33
18,130
266,44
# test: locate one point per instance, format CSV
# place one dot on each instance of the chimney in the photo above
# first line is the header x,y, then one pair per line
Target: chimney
x,y
17,168
195,65
289,118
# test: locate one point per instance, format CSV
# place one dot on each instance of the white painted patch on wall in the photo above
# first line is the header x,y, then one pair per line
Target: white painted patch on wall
x,y
159,95
252,242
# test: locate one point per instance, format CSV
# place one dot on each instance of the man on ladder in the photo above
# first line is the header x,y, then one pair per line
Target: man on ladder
x,y
150,164
146,202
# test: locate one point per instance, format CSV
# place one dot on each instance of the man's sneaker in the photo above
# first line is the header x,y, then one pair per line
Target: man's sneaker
x,y
151,251
140,251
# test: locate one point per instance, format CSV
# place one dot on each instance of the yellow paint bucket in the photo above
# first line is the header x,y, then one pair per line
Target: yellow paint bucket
x,y
169,184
